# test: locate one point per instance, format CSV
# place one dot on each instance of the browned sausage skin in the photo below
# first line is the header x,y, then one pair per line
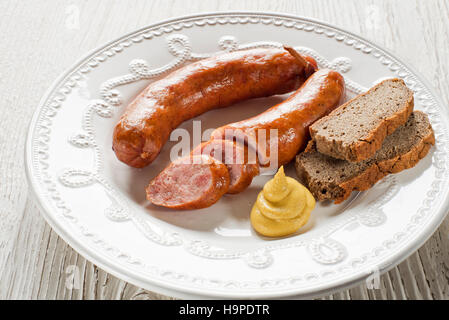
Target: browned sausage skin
x,y
199,87
321,94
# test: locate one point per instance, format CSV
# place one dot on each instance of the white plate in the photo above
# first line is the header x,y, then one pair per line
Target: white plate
x,y
97,204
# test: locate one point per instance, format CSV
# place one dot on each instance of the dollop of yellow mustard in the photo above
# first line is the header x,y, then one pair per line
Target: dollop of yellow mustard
x,y
282,207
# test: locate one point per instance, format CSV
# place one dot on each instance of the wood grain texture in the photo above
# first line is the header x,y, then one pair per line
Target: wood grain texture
x,y
40,39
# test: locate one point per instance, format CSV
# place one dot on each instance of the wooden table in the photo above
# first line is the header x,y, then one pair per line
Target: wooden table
x,y
40,39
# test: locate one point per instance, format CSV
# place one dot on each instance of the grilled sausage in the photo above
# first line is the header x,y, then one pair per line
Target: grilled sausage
x,y
199,87
321,93
189,183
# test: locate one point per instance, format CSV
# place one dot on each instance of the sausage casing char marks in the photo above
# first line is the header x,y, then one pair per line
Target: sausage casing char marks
x,y
321,93
199,87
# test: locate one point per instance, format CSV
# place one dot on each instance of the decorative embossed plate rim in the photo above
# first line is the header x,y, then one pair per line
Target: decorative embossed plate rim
x,y
185,290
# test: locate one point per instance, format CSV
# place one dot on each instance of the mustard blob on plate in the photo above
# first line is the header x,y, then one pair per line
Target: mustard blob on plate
x,y
282,207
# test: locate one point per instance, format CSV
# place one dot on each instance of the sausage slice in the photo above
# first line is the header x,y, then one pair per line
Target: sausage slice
x,y
192,182
242,167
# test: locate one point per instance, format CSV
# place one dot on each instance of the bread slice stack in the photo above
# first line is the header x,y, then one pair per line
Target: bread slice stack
x,y
363,140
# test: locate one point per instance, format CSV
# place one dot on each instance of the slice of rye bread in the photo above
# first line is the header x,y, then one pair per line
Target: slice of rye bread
x,y
333,179
355,130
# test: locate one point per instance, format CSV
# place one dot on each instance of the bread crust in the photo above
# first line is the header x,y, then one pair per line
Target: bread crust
x,y
366,148
383,168
372,174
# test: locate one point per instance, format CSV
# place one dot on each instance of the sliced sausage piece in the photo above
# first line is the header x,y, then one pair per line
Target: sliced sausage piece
x,y
208,84
318,96
242,167
192,182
